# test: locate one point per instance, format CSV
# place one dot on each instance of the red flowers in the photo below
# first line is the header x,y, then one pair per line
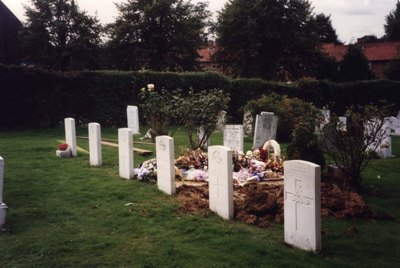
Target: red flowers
x,y
62,146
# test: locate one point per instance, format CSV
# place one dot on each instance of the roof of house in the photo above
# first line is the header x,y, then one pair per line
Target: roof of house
x,y
6,13
385,51
207,52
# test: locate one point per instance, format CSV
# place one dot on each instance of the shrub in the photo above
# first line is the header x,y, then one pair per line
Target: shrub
x,y
289,110
304,143
350,148
200,110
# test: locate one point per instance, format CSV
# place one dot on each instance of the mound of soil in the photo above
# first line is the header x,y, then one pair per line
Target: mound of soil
x,y
262,204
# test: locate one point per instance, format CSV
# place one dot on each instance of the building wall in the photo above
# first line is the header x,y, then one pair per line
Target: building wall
x,y
9,44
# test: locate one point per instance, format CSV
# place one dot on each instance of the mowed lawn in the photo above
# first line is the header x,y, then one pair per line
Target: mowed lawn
x,y
64,213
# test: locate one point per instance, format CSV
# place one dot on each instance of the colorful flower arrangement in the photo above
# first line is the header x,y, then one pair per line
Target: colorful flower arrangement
x,y
257,165
62,146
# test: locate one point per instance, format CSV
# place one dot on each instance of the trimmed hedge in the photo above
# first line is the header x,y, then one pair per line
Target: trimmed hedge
x,y
31,97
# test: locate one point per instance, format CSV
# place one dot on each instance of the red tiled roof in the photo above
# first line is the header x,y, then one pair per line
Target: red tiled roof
x,y
385,51
207,52
335,51
382,51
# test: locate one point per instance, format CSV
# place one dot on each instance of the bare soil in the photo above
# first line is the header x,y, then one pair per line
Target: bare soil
x,y
261,204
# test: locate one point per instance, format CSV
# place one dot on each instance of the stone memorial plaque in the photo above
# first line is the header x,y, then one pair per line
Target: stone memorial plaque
x,y
200,135
220,181
262,130
133,119
125,153
382,147
248,121
95,144
221,121
302,205
233,137
70,135
342,124
165,164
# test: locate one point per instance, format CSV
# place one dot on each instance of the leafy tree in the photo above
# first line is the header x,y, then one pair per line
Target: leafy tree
x,y
392,26
272,39
157,34
355,65
59,36
323,29
200,110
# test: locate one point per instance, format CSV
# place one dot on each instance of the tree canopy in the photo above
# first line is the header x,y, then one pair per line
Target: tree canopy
x,y
355,65
323,29
157,35
59,36
392,26
272,39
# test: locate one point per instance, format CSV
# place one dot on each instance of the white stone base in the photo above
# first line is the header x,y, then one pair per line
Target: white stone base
x,y
3,209
63,154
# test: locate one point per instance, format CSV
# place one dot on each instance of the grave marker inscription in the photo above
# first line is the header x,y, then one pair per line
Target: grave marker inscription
x,y
221,181
165,164
302,205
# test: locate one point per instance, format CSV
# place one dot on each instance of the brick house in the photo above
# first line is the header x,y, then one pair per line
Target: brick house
x,y
206,60
379,55
9,28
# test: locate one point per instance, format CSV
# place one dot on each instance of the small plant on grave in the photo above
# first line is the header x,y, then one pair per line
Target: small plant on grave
x,y
62,146
159,109
350,149
200,110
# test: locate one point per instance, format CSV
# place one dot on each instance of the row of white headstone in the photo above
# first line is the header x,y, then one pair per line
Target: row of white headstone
x,y
302,191
95,153
301,184
384,149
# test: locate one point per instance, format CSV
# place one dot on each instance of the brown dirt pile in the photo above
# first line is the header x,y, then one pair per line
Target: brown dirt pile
x,y
262,204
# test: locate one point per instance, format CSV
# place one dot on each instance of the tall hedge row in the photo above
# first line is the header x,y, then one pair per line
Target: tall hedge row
x,y
30,97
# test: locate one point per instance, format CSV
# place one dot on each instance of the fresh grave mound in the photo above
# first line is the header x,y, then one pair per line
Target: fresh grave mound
x,y
261,204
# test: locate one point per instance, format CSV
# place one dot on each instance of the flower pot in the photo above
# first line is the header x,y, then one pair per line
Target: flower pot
x,y
63,154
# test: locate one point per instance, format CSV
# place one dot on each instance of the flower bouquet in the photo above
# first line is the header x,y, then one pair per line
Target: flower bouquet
x,y
63,151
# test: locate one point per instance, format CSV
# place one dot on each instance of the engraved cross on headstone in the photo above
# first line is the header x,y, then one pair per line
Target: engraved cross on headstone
x,y
298,198
218,159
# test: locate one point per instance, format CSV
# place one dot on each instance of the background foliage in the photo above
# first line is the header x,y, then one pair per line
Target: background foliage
x,y
31,97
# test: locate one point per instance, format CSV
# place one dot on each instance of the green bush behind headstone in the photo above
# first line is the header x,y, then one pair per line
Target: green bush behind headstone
x,y
32,97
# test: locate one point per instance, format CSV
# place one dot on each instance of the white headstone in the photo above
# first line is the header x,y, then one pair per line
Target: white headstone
x,y
133,118
221,120
70,135
220,181
125,153
233,137
265,128
200,135
326,118
165,164
95,144
302,205
342,124
3,206
248,121
395,125
383,143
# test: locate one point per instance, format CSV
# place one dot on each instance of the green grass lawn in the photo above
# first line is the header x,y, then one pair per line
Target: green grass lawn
x,y
64,213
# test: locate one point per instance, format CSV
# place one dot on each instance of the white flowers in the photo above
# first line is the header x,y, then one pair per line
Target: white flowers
x,y
150,87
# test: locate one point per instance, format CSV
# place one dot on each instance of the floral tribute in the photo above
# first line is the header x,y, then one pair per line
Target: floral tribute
x,y
259,165
62,146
